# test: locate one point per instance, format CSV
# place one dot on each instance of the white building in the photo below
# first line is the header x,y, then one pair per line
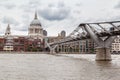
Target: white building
x,y
35,30
8,40
35,37
115,47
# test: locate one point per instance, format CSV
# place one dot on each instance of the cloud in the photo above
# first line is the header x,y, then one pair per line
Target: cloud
x,y
117,6
22,28
34,4
115,18
55,12
9,20
62,13
30,6
78,4
7,5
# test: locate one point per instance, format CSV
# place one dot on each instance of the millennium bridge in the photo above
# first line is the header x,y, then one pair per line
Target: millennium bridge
x,y
102,33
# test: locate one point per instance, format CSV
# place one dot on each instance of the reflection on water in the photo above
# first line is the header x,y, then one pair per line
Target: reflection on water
x,y
104,63
52,67
98,70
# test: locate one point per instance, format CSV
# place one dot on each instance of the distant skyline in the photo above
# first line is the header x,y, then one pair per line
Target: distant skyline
x,y
55,15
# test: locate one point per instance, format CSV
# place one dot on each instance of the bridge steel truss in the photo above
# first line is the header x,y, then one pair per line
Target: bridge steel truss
x,y
102,33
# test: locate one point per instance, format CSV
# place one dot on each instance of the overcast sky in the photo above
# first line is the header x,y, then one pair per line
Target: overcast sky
x,y
55,15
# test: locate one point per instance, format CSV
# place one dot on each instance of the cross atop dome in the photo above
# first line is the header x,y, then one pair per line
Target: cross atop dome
x,y
36,15
36,21
8,26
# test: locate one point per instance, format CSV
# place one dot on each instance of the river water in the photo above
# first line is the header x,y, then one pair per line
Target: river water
x,y
57,67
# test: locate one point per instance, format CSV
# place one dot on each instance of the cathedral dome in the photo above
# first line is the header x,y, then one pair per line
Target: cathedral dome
x,y
35,22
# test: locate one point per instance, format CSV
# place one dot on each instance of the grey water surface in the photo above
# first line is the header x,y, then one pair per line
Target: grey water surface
x,y
57,67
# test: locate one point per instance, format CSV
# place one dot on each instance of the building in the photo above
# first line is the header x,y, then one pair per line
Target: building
x,y
34,41
8,43
82,46
79,47
61,35
115,47
35,30
37,38
2,41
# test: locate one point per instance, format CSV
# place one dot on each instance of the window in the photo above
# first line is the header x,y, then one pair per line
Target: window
x,y
31,30
36,30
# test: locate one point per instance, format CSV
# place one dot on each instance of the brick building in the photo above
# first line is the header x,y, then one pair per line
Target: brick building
x,y
34,41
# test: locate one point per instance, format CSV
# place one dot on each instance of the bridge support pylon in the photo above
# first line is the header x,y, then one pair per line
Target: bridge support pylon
x,y
103,54
103,44
52,49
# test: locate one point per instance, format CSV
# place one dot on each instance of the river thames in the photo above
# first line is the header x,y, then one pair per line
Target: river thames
x,y
57,67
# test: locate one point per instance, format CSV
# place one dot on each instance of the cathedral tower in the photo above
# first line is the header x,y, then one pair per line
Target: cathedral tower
x,y
8,46
35,30
8,32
